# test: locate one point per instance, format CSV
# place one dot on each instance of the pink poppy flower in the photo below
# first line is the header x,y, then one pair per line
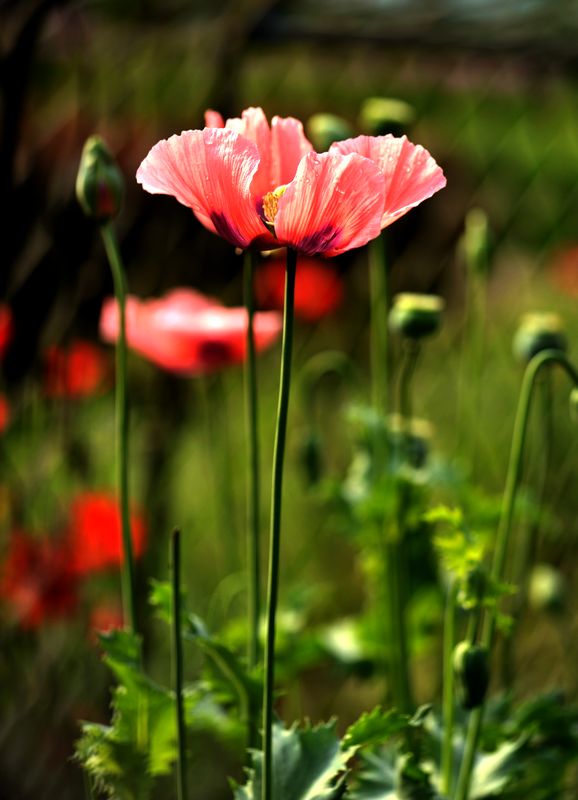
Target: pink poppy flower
x,y
411,174
37,581
80,370
261,185
188,333
94,537
318,287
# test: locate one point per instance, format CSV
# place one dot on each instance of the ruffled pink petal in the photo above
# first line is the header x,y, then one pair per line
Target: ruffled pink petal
x,y
213,119
288,146
253,125
335,203
211,172
411,174
281,147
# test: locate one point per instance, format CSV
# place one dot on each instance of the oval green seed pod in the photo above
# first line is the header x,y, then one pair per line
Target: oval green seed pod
x,y
324,129
538,331
472,671
416,315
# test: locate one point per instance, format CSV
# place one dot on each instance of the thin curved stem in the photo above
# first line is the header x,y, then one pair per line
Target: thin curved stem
x,y
253,472
275,533
127,575
503,535
178,665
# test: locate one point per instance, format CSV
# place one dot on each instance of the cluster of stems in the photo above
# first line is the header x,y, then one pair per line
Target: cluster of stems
x,y
393,545
539,362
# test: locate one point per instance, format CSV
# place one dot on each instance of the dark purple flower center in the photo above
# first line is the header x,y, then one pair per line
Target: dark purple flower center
x,y
319,242
226,229
216,353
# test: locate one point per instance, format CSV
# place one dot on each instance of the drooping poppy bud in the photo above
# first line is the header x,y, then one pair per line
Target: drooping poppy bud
x,y
472,671
416,315
538,331
324,129
382,115
99,183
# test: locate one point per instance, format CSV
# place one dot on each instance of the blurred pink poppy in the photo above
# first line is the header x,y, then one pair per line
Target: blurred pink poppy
x,y
188,333
36,580
94,536
318,287
411,174
261,185
79,370
6,328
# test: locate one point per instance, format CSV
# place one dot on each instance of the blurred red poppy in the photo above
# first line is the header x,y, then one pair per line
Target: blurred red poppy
x,y
6,328
564,270
188,333
105,617
318,287
80,370
36,580
4,413
94,533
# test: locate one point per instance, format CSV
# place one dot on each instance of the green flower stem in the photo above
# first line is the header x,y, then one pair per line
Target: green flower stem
x,y
448,690
396,568
127,575
524,553
379,332
178,665
546,357
253,471
411,355
275,536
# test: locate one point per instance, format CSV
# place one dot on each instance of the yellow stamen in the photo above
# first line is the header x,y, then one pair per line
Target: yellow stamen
x,y
271,203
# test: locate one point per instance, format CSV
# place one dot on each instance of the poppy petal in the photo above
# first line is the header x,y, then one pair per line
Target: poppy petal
x,y
334,204
211,172
253,125
213,119
288,146
411,174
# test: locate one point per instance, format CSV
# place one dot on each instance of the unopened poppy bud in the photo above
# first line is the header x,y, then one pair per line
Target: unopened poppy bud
x,y
416,315
538,331
99,183
324,129
476,241
472,671
546,589
311,459
381,115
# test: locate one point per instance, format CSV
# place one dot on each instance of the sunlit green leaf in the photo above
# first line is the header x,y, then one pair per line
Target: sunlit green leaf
x,y
308,764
